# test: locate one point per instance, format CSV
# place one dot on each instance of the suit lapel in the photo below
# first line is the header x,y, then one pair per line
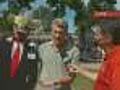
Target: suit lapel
x,y
7,60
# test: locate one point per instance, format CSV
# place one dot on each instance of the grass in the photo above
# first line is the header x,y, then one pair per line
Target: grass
x,y
82,83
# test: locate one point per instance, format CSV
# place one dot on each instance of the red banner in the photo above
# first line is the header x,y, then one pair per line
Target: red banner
x,y
106,14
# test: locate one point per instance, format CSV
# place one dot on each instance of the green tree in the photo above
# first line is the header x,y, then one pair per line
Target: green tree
x,y
99,5
83,13
14,6
45,16
2,1
76,5
59,5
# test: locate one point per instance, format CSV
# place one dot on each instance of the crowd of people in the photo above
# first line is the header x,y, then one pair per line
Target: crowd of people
x,y
57,59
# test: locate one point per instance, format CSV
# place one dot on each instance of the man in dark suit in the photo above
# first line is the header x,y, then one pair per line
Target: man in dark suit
x,y
14,63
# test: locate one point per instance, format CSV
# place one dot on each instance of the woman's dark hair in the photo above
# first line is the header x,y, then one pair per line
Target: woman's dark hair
x,y
113,29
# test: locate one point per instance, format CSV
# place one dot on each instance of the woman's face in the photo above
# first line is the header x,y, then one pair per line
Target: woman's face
x,y
100,37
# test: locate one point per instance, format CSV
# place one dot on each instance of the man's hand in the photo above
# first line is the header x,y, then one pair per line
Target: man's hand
x,y
65,80
61,81
72,69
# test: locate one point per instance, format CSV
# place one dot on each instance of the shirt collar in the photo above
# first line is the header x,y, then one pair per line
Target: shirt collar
x,y
66,47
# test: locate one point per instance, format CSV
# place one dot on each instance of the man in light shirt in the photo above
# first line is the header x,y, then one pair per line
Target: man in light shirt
x,y
56,57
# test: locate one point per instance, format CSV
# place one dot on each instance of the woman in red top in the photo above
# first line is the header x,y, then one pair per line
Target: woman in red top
x,y
107,35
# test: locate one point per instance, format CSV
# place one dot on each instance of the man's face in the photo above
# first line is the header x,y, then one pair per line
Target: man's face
x,y
101,38
59,35
19,35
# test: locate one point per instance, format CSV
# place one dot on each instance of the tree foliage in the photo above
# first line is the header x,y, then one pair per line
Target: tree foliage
x,y
83,13
14,6
59,6
2,1
45,16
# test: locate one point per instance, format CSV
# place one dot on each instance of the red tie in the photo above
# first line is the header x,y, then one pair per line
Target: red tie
x,y
15,62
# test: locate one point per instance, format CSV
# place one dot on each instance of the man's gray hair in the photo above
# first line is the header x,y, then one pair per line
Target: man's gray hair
x,y
59,22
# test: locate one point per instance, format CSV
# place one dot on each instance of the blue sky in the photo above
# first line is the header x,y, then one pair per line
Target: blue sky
x,y
69,16
3,6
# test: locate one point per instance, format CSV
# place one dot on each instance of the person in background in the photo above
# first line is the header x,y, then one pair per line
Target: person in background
x,y
56,57
14,64
107,35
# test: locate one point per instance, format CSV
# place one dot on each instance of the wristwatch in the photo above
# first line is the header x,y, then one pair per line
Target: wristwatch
x,y
55,83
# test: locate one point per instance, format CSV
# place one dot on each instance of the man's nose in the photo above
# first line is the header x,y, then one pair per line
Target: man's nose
x,y
57,35
96,38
